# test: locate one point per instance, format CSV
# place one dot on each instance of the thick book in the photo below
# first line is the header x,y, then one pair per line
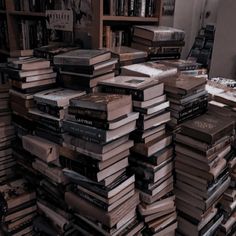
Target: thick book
x,y
126,53
82,57
101,124
30,64
98,135
140,88
101,101
153,70
59,97
208,128
21,53
184,85
182,65
159,33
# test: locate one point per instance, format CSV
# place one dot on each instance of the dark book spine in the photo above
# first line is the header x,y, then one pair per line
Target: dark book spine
x,y
81,69
136,94
53,111
85,132
92,123
131,8
87,113
74,80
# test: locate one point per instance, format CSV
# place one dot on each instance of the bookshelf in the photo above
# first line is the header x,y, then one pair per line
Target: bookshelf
x,y
12,28
106,17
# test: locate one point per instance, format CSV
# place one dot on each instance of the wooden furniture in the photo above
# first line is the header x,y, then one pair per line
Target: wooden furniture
x,y
101,20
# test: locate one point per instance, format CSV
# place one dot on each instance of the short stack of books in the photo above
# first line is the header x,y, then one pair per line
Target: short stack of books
x,y
104,198
83,69
18,207
50,111
51,186
152,155
187,96
150,69
7,135
159,42
202,174
127,56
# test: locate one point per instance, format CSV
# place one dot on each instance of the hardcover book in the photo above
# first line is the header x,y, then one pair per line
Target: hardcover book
x,y
82,57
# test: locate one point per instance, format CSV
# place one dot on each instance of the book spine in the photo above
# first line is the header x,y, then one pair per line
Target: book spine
x,y
92,123
85,132
136,94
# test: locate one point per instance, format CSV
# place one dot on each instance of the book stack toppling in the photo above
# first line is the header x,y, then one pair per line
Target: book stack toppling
x,y
7,135
18,207
188,98
159,42
54,217
127,56
152,155
202,175
50,111
83,69
104,196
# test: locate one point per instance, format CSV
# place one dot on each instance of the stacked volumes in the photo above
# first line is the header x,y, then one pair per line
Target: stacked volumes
x,y
18,207
158,41
188,98
7,134
127,56
152,155
83,69
104,198
202,174
51,108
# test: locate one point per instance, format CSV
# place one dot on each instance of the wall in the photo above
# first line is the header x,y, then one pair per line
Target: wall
x,y
224,51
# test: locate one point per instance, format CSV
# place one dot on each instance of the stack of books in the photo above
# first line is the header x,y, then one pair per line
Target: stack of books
x,y
28,76
187,96
150,69
7,135
50,111
54,215
159,42
152,155
202,175
18,207
104,196
127,56
83,69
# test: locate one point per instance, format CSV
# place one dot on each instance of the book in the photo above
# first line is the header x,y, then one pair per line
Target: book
x,y
159,33
30,64
149,69
21,53
82,57
208,128
140,88
101,101
98,135
126,53
59,97
182,65
184,85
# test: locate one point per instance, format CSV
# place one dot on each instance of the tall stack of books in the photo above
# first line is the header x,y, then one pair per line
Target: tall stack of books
x,y
104,196
158,41
7,135
187,96
127,56
18,207
51,186
83,69
202,175
152,155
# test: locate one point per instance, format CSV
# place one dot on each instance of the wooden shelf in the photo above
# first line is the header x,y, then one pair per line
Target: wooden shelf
x,y
27,13
130,19
4,51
